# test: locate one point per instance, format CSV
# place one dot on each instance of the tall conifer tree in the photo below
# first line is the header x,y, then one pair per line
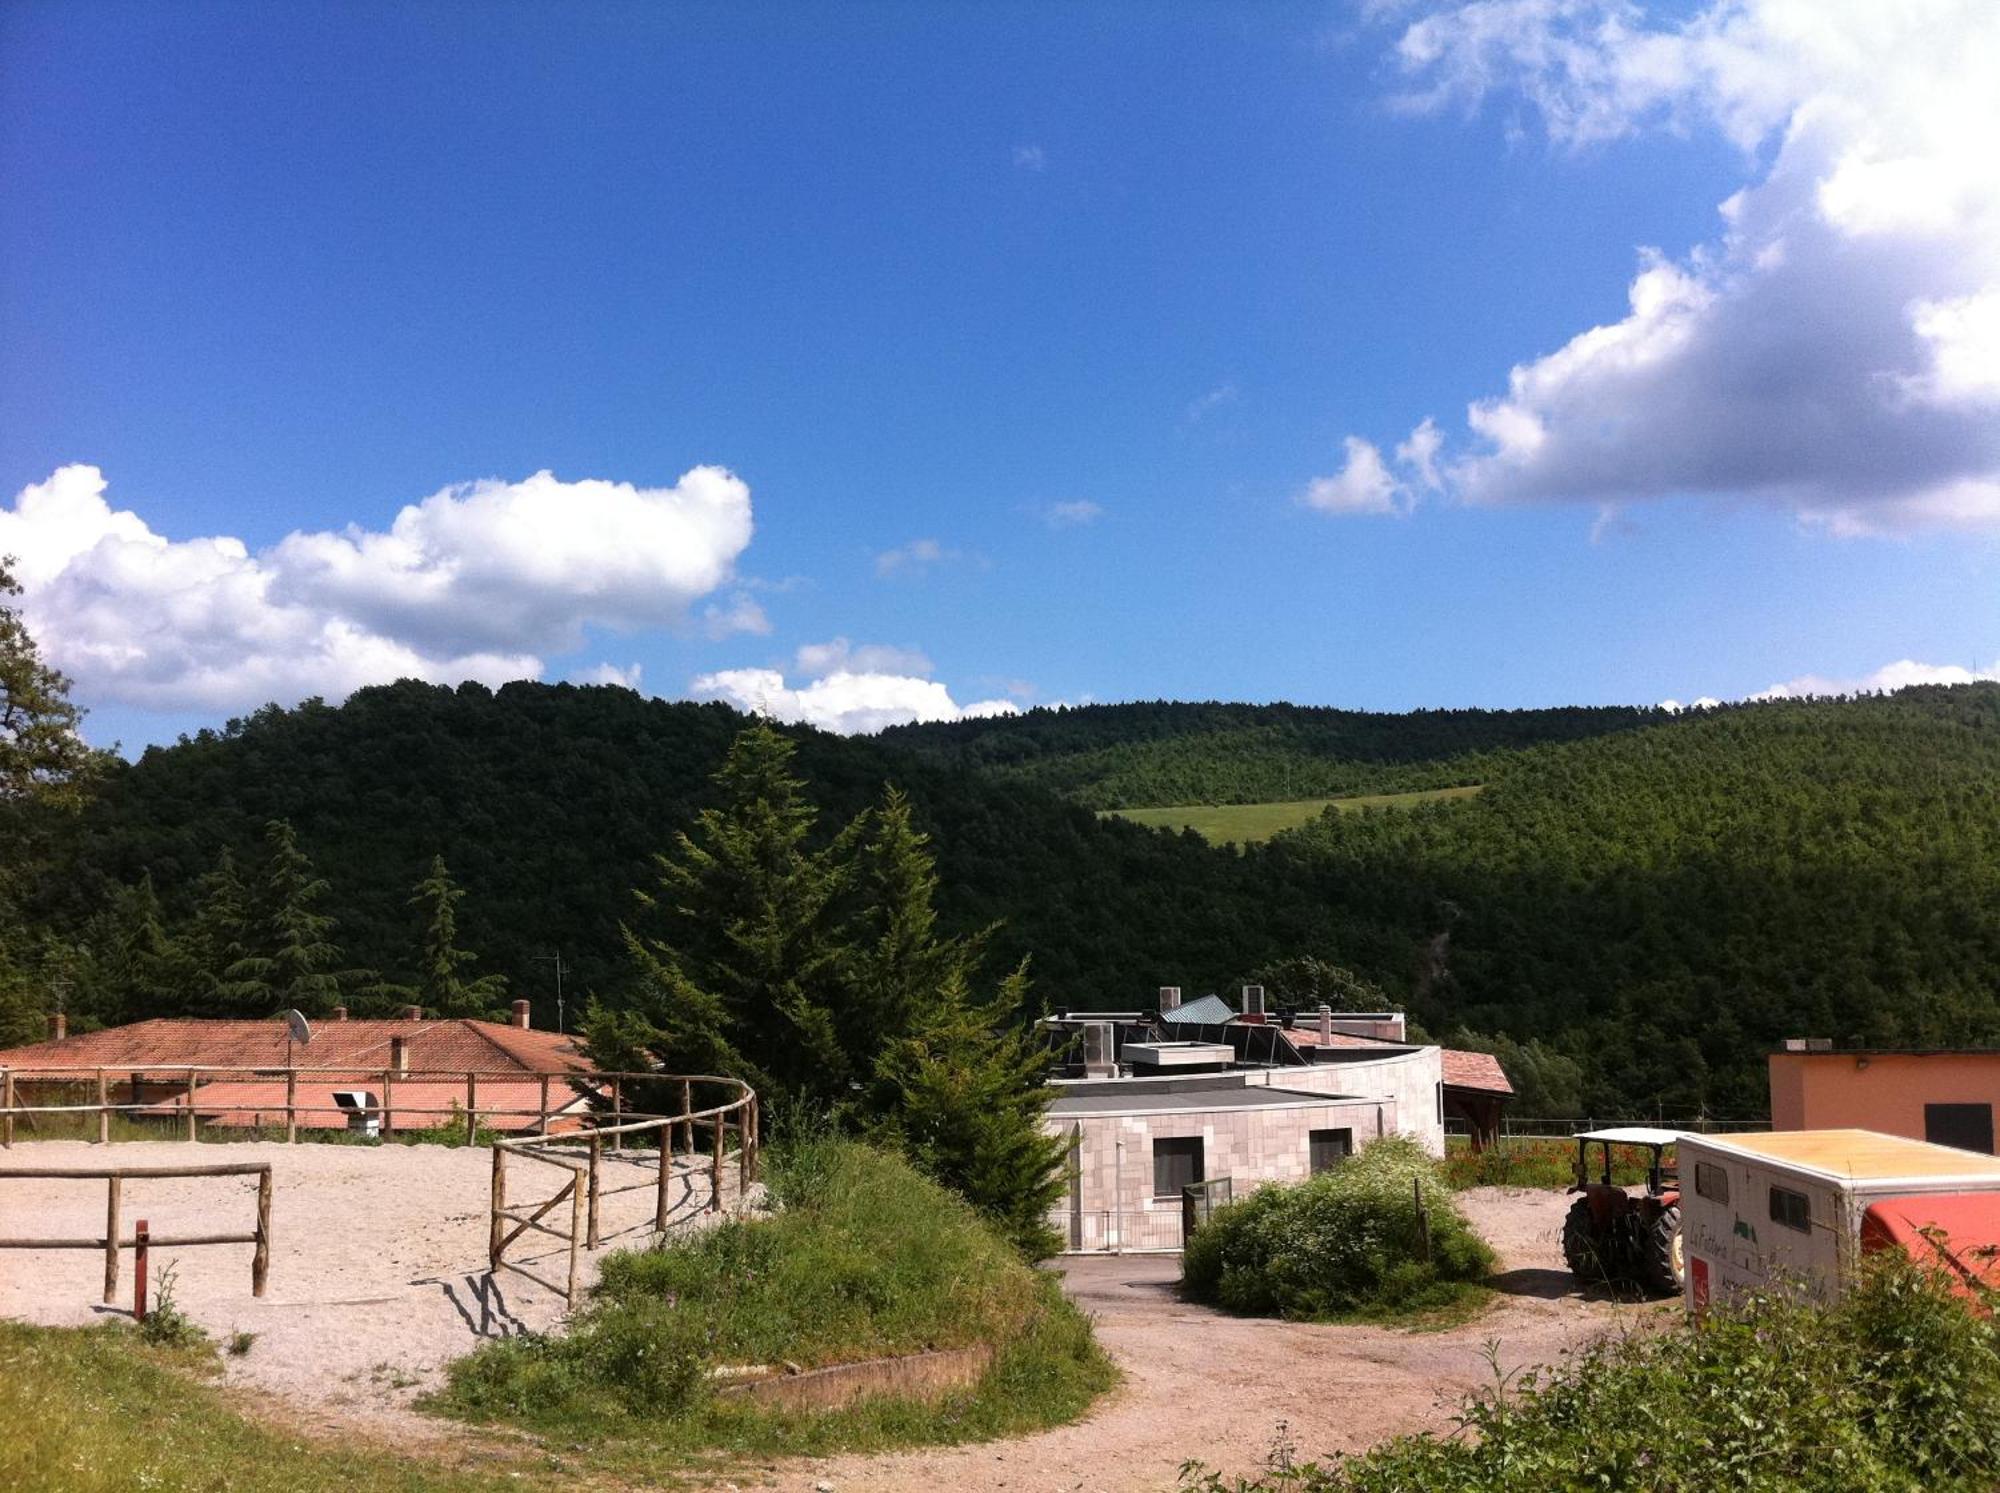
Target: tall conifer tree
x,y
444,983
292,959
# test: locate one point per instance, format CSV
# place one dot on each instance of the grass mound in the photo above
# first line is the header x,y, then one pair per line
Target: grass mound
x,y
864,1258
1378,1236
1895,1388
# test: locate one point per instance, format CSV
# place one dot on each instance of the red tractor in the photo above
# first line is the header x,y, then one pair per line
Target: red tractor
x,y
1619,1234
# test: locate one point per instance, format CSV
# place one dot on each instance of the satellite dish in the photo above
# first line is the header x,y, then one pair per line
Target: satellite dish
x,y
298,1027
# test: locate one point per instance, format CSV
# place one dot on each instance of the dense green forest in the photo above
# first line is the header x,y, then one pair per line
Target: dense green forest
x,y
1637,906
1167,752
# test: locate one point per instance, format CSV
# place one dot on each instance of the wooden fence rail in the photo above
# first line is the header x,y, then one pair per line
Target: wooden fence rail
x,y
114,1239
581,1155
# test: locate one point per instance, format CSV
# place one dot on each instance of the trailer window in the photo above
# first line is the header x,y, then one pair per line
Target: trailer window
x,y
1711,1182
1792,1209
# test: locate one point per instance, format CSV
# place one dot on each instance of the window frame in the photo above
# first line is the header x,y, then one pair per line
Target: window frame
x,y
1706,1172
1947,1116
1782,1218
1340,1135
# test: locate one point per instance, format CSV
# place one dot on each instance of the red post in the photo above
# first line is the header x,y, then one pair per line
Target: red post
x,y
140,1239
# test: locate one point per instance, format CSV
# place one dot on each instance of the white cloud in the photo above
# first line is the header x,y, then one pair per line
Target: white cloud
x,y
1419,452
843,701
913,558
1030,157
1899,675
474,582
1206,404
1072,514
817,660
1835,349
1364,484
1705,702
627,676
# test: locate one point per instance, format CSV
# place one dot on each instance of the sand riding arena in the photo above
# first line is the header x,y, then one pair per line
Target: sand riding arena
x,y
381,1262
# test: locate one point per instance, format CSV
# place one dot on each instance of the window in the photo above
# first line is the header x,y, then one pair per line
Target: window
x,y
1330,1148
1969,1127
1176,1163
1792,1209
1711,1182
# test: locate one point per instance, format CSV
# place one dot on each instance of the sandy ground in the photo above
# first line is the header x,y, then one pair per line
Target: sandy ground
x,y
1226,1390
378,1261
378,1279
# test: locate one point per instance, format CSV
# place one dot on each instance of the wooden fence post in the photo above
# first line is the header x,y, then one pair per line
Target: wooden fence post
x,y
140,1239
545,1104
386,1124
715,1169
190,1100
575,1237
596,1149
494,1245
103,1111
666,1176
687,1109
471,1107
617,1113
7,1109
260,1261
292,1106
111,1201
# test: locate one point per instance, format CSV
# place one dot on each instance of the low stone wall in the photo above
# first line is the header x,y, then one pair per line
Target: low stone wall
x,y
913,1376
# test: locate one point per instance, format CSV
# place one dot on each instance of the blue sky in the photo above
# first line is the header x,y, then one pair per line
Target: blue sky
x,y
1077,300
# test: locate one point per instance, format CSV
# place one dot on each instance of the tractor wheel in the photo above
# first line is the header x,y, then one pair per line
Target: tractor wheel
x,y
1583,1252
1663,1262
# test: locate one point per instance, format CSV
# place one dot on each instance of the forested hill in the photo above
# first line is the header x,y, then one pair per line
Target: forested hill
x,y
1166,752
549,801
1633,912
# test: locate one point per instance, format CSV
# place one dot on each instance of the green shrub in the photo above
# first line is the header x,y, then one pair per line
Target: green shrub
x,y
863,1258
1895,1388
1349,1242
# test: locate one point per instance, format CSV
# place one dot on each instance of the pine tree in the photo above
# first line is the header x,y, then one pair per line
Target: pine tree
x,y
216,937
292,960
965,1094
136,963
744,947
900,962
444,985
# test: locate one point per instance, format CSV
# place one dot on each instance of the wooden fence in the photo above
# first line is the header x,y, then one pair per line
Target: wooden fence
x,y
113,1238
581,1155
562,1097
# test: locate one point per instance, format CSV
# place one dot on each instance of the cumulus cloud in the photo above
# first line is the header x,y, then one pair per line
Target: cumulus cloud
x,y
1835,348
1363,485
1204,405
913,558
817,660
845,702
1899,675
1030,157
477,582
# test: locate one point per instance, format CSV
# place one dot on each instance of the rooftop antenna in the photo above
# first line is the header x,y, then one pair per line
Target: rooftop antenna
x,y
557,960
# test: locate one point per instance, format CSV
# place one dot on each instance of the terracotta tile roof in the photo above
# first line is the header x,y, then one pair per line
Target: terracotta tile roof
x,y
460,1045
503,1105
1475,1070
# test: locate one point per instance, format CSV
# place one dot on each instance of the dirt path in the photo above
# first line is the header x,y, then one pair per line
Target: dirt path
x,y
1199,1384
378,1260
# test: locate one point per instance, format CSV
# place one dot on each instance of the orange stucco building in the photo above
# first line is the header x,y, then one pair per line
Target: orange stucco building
x,y
1943,1095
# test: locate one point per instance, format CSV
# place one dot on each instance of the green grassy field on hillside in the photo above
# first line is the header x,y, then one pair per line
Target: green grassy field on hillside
x,y
1246,824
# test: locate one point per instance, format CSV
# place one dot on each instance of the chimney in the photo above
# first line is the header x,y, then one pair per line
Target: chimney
x,y
1326,1024
399,1054
1170,998
521,1018
340,1013
58,1027
1100,1050
413,1013
1253,1004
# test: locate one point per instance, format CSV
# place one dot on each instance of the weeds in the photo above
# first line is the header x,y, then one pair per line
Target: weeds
x,y
166,1325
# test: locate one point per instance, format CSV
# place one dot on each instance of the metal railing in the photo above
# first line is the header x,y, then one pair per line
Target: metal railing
x,y
581,1154
114,1239
1529,1128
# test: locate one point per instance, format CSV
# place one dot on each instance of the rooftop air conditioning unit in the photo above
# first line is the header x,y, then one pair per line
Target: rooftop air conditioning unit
x,y
1100,1050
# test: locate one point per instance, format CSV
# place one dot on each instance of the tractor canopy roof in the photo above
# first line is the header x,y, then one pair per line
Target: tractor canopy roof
x,y
1631,1135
